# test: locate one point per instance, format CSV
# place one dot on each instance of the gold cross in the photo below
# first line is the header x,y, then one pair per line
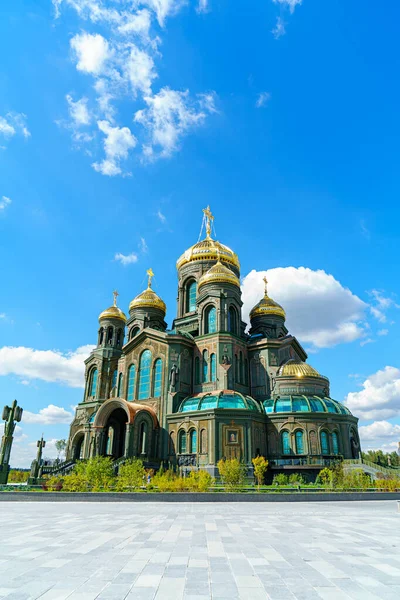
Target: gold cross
x,y
209,219
151,275
265,280
115,294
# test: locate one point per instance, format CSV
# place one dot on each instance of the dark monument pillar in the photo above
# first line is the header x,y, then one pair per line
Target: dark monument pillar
x,y
37,463
11,416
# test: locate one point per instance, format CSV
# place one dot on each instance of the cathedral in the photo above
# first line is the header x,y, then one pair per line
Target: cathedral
x,y
211,387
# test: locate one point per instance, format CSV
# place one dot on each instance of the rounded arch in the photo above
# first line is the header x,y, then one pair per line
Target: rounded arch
x,y
92,387
232,320
101,335
157,377
77,445
354,442
131,409
192,441
324,441
182,439
144,382
299,441
110,334
285,442
190,287
335,442
205,366
134,331
210,319
130,386
203,441
120,337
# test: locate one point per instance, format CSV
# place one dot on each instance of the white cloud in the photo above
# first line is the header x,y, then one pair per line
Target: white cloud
x,y
381,305
202,6
380,396
91,51
290,4
78,111
143,246
126,259
49,365
279,29
383,331
137,23
319,309
22,455
4,202
161,216
379,430
162,8
50,415
13,124
366,341
117,143
139,68
171,114
263,99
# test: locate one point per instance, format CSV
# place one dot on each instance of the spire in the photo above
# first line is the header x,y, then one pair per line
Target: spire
x,y
209,218
150,275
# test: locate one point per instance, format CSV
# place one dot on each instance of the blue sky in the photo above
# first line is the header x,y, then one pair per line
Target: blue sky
x,y
120,121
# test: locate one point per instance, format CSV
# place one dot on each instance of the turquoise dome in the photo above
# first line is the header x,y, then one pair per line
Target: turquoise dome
x,y
291,404
219,400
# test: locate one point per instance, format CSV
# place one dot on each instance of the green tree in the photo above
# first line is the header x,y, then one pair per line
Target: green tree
x,y
260,465
60,447
131,474
95,474
233,473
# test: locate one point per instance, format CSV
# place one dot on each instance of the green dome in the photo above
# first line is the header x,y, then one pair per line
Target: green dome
x,y
224,399
291,404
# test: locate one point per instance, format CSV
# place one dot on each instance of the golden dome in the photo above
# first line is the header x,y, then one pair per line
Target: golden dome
x,y
208,249
113,312
219,274
267,306
148,298
294,368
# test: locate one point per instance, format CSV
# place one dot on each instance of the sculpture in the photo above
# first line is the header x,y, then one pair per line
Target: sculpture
x,y
11,415
173,377
35,473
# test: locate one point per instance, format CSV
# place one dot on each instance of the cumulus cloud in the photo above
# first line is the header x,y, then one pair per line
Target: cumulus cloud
x,y
169,115
50,415
48,365
117,143
263,99
126,259
14,124
379,397
379,430
320,311
4,202
290,4
121,63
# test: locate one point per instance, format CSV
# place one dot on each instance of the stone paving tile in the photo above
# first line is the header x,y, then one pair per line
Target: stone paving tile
x,y
178,551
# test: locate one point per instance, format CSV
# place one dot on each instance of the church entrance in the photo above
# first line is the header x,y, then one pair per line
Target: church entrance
x,y
115,432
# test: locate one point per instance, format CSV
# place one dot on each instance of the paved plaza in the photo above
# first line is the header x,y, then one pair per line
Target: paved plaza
x,y
281,551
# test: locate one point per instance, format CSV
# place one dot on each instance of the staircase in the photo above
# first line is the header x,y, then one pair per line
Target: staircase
x,y
62,468
369,467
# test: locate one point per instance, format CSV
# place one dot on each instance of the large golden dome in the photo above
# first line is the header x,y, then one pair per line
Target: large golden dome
x,y
296,368
113,312
208,249
148,298
267,306
219,274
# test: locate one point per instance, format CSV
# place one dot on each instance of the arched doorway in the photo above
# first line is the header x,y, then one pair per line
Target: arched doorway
x,y
115,431
77,448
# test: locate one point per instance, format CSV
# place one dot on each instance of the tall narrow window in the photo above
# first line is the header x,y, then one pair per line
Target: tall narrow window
x,y
143,438
299,442
172,443
114,379
246,372
182,442
205,366
131,383
101,335
213,367
211,320
134,332
232,321
193,441
286,442
324,443
241,368
144,375
157,377
197,370
203,441
236,369
335,443
109,335
93,383
119,337
120,385
191,293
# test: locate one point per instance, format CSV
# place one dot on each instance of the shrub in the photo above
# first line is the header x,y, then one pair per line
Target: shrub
x,y
131,475
95,474
280,479
75,482
387,485
199,481
18,476
296,479
167,481
53,484
260,465
325,478
232,472
356,479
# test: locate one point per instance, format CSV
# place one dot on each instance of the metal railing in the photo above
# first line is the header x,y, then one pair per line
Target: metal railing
x,y
368,463
304,461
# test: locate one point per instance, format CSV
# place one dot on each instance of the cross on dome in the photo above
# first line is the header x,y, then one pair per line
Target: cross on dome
x,y
150,275
115,294
209,217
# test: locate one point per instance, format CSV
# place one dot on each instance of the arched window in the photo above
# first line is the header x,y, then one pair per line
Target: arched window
x,y
191,293
203,441
232,320
144,375
211,320
246,372
213,368
335,443
241,368
285,442
193,441
324,443
120,385
172,443
197,370
109,335
236,368
134,332
182,442
114,379
143,438
299,442
101,335
119,337
157,377
93,383
205,366
131,383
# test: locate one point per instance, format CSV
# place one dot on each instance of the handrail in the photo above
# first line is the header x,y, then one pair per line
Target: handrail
x,y
368,463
